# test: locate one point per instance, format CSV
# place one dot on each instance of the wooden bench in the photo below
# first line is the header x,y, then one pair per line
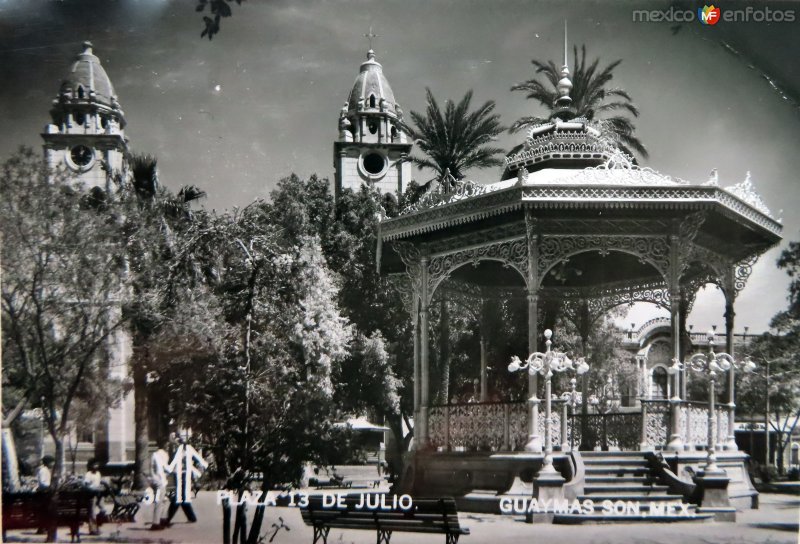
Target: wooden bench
x,y
425,516
31,510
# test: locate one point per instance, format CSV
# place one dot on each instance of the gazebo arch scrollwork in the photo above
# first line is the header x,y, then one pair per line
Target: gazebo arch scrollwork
x,y
554,249
511,253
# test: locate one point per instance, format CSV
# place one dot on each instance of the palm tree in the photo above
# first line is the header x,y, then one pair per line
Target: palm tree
x,y
592,98
455,140
152,215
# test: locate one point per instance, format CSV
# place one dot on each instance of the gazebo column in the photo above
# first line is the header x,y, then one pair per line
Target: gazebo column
x,y
483,341
417,356
534,440
584,327
730,442
675,441
683,344
424,364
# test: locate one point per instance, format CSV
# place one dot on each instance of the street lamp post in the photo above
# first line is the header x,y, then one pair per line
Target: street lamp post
x,y
712,363
545,364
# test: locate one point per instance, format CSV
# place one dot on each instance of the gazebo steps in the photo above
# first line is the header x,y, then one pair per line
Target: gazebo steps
x,y
606,454
609,489
616,461
617,479
591,519
616,471
633,497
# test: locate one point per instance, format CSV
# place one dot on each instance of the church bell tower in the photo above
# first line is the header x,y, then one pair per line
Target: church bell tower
x,y
87,131
372,147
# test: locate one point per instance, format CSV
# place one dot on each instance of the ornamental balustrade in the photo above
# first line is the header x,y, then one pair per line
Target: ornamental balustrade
x,y
503,426
694,421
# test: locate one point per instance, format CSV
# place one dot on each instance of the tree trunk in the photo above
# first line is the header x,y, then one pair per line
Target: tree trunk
x,y
258,515
140,415
226,521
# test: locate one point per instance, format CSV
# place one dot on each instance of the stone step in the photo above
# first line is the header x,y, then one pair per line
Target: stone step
x,y
635,497
644,504
619,480
618,461
602,454
592,519
628,489
615,470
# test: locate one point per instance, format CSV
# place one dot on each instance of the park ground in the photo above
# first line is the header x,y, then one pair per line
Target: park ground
x,y
776,521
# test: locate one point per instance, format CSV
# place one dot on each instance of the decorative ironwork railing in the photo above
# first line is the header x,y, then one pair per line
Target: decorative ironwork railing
x,y
503,426
609,431
492,426
693,423
655,422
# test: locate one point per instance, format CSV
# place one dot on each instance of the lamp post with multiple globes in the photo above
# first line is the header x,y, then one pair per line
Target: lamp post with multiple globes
x,y
713,363
545,364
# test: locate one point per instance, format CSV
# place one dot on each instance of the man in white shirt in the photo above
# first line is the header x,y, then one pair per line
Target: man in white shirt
x,y
44,473
93,481
159,468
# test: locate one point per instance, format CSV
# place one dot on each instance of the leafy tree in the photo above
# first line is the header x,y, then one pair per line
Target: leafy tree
x,y
776,381
60,290
592,98
347,229
263,400
457,139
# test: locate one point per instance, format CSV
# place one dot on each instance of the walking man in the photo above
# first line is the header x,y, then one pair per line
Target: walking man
x,y
159,468
184,469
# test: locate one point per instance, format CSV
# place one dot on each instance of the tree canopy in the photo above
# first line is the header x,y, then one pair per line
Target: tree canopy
x,y
456,139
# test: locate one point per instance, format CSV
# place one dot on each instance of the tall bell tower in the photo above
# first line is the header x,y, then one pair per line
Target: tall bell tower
x,y
87,138
87,133
372,147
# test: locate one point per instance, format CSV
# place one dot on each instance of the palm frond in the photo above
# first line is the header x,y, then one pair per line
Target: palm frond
x,y
455,138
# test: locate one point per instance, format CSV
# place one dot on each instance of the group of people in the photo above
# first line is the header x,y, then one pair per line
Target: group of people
x,y
184,469
92,480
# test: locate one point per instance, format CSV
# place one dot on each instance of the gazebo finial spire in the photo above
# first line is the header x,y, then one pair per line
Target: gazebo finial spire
x,y
564,101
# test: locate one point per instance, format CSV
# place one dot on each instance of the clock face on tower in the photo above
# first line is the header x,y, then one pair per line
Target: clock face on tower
x,y
81,156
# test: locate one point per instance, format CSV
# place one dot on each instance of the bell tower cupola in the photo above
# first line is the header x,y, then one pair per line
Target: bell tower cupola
x,y
87,132
372,147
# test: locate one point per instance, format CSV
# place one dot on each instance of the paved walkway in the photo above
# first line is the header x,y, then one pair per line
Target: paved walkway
x,y
775,522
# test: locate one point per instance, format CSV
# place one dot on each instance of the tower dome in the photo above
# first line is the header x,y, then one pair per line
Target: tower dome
x,y
371,90
372,148
87,85
87,131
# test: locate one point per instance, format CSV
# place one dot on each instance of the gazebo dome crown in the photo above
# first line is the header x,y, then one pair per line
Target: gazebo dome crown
x,y
565,141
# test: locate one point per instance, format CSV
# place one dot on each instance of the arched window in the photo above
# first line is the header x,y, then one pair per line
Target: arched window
x,y
80,91
394,133
372,101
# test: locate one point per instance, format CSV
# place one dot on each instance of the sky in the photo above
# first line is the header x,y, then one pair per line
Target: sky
x,y
261,100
